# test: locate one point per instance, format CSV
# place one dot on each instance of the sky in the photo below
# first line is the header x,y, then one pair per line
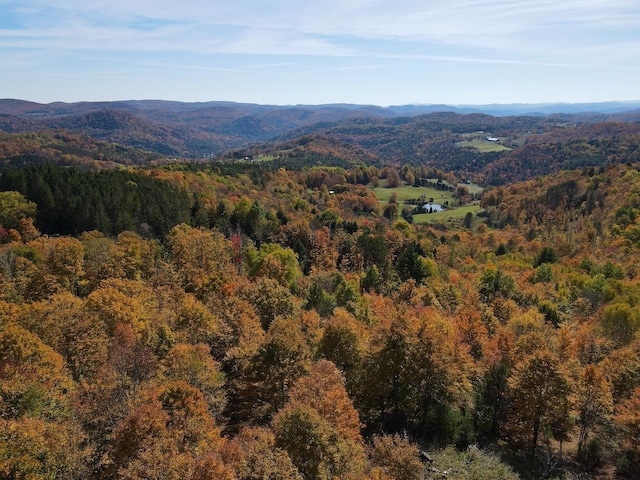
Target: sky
x,y
283,52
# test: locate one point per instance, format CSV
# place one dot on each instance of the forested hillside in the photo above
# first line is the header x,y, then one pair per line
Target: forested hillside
x,y
191,130
521,147
68,149
71,202
441,136
249,320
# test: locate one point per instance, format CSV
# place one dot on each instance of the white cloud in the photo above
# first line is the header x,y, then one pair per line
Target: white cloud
x,y
534,31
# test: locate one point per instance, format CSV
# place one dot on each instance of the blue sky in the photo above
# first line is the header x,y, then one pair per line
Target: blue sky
x,y
322,51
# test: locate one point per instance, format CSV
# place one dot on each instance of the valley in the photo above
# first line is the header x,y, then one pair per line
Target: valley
x,y
240,291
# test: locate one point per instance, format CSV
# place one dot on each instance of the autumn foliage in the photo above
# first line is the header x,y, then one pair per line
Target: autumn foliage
x,y
287,331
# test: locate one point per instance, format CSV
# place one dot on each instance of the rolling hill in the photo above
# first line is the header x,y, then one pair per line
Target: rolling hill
x,y
456,140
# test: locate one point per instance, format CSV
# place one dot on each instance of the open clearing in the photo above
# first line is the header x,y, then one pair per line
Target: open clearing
x,y
409,192
264,158
441,197
483,145
474,189
456,214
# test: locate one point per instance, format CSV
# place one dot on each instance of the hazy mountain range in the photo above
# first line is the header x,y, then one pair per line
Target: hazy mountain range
x,y
194,130
25,108
197,129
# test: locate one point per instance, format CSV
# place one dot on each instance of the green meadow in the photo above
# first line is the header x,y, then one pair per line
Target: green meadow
x,y
408,192
455,215
483,145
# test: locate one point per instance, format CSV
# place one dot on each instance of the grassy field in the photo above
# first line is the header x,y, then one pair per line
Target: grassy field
x,y
454,216
408,192
473,188
483,145
264,158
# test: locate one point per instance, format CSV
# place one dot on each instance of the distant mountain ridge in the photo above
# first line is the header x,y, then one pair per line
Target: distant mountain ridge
x,y
24,108
174,128
396,134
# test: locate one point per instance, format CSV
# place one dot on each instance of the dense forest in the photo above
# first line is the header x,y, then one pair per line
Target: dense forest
x,y
71,201
532,144
68,149
274,320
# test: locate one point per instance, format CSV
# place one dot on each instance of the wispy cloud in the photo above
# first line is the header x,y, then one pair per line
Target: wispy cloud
x,y
480,60
560,42
323,27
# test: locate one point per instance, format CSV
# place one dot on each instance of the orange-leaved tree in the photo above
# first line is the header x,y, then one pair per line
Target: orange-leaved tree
x,y
541,397
593,402
163,436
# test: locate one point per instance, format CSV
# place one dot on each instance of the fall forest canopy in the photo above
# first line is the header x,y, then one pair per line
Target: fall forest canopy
x,y
267,316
